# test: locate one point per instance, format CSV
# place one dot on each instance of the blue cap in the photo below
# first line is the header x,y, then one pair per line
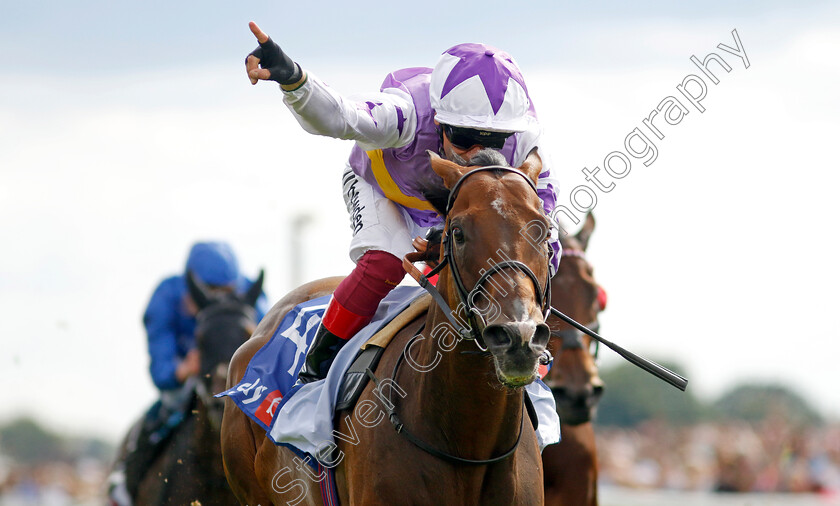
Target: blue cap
x,y
214,263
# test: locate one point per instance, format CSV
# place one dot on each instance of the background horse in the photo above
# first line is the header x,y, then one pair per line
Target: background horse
x,y
571,467
188,467
464,404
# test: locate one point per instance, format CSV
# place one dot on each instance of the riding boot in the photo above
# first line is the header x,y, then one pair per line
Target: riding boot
x,y
321,354
353,305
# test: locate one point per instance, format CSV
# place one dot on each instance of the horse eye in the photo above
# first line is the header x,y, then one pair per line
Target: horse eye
x,y
458,234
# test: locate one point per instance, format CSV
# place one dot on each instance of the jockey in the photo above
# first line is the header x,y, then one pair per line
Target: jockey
x,y
170,327
474,98
170,316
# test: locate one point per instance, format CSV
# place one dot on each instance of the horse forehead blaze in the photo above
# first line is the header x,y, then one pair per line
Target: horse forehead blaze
x,y
507,195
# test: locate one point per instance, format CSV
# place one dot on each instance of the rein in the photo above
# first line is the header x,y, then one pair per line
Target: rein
x,y
571,337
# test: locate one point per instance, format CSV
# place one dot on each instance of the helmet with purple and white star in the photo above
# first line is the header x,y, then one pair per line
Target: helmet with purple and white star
x,y
478,86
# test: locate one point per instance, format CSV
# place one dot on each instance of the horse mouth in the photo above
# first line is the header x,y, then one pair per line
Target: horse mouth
x,y
515,379
516,359
575,410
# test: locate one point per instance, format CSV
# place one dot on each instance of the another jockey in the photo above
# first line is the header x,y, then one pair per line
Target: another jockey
x,y
170,316
474,98
170,327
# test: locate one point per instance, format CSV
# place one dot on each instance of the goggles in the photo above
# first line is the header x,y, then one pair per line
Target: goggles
x,y
465,138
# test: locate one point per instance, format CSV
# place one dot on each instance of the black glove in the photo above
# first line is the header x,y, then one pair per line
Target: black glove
x,y
432,254
283,70
434,234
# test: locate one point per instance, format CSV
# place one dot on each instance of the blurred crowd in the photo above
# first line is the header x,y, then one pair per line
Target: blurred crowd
x,y
53,483
768,456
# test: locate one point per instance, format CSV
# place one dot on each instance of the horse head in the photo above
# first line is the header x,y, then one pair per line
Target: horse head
x,y
497,274
574,379
225,320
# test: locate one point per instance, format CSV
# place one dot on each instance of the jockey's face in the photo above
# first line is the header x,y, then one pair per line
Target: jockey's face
x,y
467,142
452,153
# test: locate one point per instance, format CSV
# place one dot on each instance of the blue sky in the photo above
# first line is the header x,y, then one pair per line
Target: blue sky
x,y
129,130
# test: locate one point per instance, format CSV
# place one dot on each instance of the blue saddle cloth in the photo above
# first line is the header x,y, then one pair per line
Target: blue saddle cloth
x,y
299,415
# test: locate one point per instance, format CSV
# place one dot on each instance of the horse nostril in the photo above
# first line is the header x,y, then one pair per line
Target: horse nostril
x,y
598,390
541,336
559,392
497,336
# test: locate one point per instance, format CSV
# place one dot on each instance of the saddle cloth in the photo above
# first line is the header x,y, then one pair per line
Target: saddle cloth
x,y
300,416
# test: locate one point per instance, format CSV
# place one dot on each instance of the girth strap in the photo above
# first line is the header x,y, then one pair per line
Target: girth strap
x,y
431,450
400,427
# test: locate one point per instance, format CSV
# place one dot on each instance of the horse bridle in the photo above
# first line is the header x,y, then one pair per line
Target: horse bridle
x,y
467,297
572,339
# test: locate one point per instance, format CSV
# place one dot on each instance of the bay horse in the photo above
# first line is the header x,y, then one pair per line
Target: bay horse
x,y
571,466
455,398
188,468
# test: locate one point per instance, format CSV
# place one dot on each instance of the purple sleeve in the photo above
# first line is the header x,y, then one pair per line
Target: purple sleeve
x,y
548,197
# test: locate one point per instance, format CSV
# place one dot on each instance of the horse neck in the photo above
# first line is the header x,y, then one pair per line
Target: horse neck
x,y
462,396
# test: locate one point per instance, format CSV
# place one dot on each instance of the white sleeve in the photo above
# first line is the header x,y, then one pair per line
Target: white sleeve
x,y
528,140
378,120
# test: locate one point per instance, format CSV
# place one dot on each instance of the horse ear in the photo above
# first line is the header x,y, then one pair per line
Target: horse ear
x,y
586,232
532,166
198,290
450,172
255,290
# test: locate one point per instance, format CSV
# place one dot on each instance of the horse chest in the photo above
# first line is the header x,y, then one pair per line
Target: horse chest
x,y
402,475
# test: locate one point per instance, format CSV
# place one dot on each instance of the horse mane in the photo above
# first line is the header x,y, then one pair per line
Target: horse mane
x,y
438,197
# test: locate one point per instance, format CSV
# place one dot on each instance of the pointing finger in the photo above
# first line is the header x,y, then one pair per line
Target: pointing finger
x,y
261,37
